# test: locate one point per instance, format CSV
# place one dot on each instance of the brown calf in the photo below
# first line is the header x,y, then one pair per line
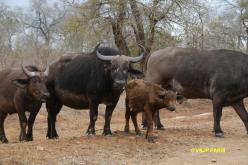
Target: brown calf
x,y
21,90
142,96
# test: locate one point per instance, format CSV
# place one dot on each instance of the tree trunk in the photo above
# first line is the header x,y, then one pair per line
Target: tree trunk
x,y
139,30
117,25
119,38
246,39
150,41
140,37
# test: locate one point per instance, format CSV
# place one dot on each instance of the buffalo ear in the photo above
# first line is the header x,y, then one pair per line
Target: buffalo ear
x,y
135,72
21,83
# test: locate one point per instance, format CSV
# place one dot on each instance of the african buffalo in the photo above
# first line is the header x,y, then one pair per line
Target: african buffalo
x,y
22,90
86,81
142,96
219,75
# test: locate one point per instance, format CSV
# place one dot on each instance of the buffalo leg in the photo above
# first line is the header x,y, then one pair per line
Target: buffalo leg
x,y
3,138
241,111
108,116
31,120
217,113
158,122
53,109
93,118
149,117
127,117
134,119
155,119
23,125
144,122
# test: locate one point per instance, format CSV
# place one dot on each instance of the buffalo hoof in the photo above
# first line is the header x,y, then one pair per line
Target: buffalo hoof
x,y
30,139
4,140
23,138
151,139
144,127
52,136
126,130
107,133
91,133
138,133
161,128
219,135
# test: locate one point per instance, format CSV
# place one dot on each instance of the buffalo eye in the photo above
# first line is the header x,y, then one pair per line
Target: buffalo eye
x,y
126,66
161,96
114,68
36,80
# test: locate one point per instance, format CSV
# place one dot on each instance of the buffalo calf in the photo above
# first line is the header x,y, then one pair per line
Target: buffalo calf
x,y
142,96
21,90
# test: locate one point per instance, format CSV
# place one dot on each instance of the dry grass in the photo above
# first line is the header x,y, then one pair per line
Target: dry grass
x,y
185,129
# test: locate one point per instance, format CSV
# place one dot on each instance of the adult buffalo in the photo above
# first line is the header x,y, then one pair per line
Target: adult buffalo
x,y
22,90
220,75
86,81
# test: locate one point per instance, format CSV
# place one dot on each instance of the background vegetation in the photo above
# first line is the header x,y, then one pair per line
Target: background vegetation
x,y
45,30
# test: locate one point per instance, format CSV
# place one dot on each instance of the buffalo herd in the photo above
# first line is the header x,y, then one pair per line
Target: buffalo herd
x,y
85,80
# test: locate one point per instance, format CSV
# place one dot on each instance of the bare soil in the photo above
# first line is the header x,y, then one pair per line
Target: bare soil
x,y
189,127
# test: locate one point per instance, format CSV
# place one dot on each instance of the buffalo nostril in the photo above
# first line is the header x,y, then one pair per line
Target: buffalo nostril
x,y
172,108
120,82
46,94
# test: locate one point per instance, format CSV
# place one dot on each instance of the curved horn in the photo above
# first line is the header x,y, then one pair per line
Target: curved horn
x,y
97,46
27,72
140,57
46,71
102,57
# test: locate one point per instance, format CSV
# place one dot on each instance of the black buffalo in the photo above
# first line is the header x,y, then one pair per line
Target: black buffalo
x,y
220,75
86,81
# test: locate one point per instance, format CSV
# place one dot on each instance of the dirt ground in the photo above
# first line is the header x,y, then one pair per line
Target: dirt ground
x,y
189,127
